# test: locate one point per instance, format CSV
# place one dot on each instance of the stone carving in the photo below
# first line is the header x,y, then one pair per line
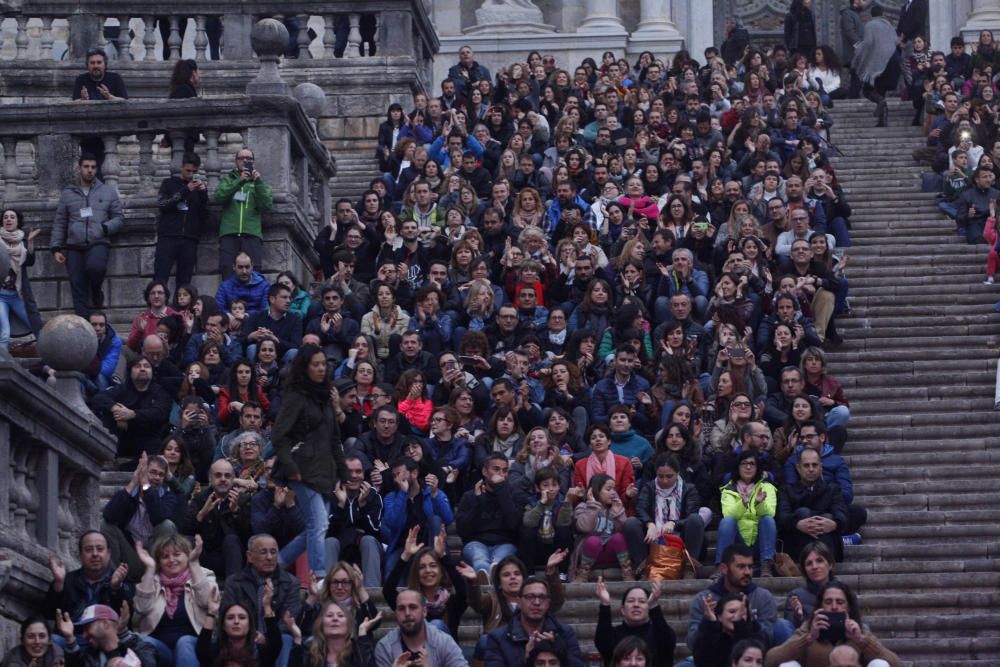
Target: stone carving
x,y
508,11
67,343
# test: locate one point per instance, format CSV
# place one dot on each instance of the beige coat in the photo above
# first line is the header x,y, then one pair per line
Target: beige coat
x,y
150,603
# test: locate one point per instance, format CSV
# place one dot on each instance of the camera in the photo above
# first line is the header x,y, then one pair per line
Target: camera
x,y
248,165
738,352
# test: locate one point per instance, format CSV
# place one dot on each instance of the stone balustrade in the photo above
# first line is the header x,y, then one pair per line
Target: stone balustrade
x,y
334,29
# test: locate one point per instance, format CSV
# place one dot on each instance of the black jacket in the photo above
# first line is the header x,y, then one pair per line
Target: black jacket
x,y
306,440
822,498
284,524
491,517
74,597
152,408
913,20
243,588
645,504
123,505
183,213
219,523
657,633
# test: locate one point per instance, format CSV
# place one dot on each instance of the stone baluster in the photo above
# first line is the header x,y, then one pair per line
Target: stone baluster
x,y
212,164
124,41
329,35
149,38
10,171
20,495
47,39
102,42
378,27
200,37
147,169
111,168
354,37
21,40
69,524
303,37
174,41
176,150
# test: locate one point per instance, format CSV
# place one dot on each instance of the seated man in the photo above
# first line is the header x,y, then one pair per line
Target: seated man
x,y
626,387
812,435
488,519
97,581
356,522
135,411
412,355
508,645
246,587
245,284
816,281
811,509
335,326
220,513
216,325
104,640
424,643
736,568
275,321
273,511
101,370
140,512
409,505
251,421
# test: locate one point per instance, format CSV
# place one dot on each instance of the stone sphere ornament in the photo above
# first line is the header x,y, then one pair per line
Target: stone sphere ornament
x,y
311,97
67,343
269,37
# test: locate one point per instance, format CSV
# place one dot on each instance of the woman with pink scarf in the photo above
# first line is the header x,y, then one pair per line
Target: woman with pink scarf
x,y
19,255
172,600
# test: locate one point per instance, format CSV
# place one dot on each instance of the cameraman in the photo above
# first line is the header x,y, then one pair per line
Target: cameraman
x,y
245,197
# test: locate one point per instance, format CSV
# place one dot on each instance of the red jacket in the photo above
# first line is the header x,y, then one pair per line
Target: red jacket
x,y
624,477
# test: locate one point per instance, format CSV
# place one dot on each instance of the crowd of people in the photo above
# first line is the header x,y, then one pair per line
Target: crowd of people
x,y
577,321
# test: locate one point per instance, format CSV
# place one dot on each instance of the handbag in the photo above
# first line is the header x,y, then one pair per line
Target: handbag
x,y
668,558
784,565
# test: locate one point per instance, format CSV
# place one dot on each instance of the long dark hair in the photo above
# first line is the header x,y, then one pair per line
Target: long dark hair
x,y
252,391
183,69
298,376
853,606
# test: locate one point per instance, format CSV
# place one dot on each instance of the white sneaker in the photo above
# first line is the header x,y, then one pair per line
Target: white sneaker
x,y
988,281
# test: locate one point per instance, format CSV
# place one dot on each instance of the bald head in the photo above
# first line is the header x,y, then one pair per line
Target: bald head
x,y
152,347
844,656
221,476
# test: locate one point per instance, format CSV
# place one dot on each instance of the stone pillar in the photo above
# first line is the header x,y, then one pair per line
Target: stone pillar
x,y
601,17
236,30
985,15
509,17
269,38
944,23
448,17
656,31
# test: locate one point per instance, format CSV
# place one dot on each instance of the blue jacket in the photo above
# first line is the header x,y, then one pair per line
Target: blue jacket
x,y
394,514
835,471
554,213
698,286
454,453
254,292
629,444
232,351
121,507
506,645
605,394
435,331
109,350
437,153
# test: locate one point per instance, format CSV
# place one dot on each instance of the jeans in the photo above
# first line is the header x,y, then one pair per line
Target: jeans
x,y
86,269
10,304
182,655
371,558
838,416
838,227
948,208
317,511
782,630
483,557
767,537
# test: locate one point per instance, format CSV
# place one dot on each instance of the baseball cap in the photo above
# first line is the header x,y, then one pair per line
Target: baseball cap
x,y
97,612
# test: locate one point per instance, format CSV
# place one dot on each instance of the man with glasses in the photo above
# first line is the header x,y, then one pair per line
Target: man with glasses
x,y
246,588
818,283
813,435
245,198
220,513
355,524
779,404
531,622
755,436
811,509
799,231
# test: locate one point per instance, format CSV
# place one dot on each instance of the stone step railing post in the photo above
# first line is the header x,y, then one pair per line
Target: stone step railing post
x,y
200,37
149,37
124,42
111,169
175,41
48,40
329,35
21,40
147,170
354,37
302,39
212,164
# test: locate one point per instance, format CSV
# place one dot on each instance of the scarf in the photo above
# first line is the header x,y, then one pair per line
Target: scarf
x,y
557,337
745,489
668,503
506,445
437,605
595,467
173,588
535,463
18,253
317,391
139,526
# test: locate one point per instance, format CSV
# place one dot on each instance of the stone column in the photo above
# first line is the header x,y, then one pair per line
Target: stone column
x,y
985,15
656,31
601,16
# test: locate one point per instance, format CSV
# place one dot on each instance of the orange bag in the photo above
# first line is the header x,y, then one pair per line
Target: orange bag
x,y
666,559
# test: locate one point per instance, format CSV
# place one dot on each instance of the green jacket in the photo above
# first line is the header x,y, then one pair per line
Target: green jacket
x,y
242,217
748,515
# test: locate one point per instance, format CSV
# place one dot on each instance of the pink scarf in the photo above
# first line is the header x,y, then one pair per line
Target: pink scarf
x,y
173,587
595,467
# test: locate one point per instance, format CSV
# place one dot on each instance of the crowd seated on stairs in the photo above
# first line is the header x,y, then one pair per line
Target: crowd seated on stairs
x,y
576,324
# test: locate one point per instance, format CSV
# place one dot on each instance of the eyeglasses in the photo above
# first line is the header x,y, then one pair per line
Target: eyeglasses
x,y
340,583
438,419
741,404
748,463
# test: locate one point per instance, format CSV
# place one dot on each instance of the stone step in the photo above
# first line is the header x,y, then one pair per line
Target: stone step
x,y
931,430
859,446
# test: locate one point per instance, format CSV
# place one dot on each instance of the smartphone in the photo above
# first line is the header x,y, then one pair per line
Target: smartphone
x,y
837,630
467,359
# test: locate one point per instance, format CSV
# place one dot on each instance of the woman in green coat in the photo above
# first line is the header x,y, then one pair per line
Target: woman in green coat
x,y
749,503
306,440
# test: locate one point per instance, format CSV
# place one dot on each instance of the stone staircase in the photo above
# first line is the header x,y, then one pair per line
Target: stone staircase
x,y
919,373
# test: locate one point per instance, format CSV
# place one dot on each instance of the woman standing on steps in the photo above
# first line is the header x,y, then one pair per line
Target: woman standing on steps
x,y
877,62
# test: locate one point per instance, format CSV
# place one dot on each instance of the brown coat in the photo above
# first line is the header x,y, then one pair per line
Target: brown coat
x,y
817,654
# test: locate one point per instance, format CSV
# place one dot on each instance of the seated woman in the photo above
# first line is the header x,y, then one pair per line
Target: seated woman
x,y
448,452
413,402
827,628
726,429
563,389
242,387
503,434
816,563
603,461
237,638
625,442
825,389
749,503
173,601
782,351
726,623
343,586
804,410
564,429
667,505
432,572
336,640
600,522
247,457
36,648
539,451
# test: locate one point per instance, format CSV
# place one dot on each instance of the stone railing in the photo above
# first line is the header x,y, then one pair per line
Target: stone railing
x,y
51,453
335,28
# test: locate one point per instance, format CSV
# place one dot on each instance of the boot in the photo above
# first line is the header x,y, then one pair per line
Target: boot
x,y
625,562
582,575
767,568
918,117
